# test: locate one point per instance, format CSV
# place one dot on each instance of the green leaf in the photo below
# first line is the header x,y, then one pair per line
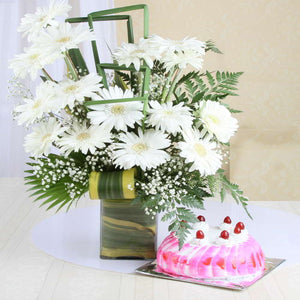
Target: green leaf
x,y
235,192
211,80
190,75
181,234
210,46
78,61
122,80
159,68
222,194
174,226
169,215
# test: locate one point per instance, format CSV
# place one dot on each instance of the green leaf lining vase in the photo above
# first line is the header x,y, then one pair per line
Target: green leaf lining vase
x,y
126,231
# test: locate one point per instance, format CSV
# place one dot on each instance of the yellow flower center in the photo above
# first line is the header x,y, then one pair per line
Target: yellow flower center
x,y
139,147
137,52
83,136
46,137
200,149
34,56
214,119
64,39
37,104
168,113
71,88
118,109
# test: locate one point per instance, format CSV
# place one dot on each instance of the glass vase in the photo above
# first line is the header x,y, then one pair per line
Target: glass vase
x,y
126,231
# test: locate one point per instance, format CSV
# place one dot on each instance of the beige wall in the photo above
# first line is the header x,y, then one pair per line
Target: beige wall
x,y
261,38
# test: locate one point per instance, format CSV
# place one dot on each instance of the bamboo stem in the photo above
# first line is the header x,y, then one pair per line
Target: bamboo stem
x,y
71,67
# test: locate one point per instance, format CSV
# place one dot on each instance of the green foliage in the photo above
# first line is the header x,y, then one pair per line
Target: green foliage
x,y
232,110
189,75
158,68
173,193
122,80
213,182
181,224
182,233
186,214
216,86
192,201
225,83
78,61
196,87
210,46
54,182
169,215
234,190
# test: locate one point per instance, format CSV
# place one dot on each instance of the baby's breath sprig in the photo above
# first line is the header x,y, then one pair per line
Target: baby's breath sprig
x,y
79,112
17,89
172,189
60,181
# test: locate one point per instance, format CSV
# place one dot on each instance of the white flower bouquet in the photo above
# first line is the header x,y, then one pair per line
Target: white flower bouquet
x,y
149,114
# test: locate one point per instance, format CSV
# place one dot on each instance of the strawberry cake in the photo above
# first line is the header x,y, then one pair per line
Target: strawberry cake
x,y
225,252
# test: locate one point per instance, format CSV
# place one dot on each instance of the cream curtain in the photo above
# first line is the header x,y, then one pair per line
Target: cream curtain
x,y
12,155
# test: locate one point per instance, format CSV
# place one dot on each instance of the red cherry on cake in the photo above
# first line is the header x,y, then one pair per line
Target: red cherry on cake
x,y
200,234
241,225
227,220
237,229
201,218
224,235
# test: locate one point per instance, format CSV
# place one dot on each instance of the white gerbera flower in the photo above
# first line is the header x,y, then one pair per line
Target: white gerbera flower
x,y
187,44
200,152
182,59
69,90
116,115
79,137
168,117
154,46
33,109
143,150
128,54
40,140
30,62
57,40
32,24
217,120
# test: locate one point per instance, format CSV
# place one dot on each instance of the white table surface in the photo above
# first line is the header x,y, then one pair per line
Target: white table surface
x,y
27,272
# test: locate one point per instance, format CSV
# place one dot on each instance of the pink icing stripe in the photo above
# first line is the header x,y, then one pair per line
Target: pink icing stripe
x,y
196,267
164,252
219,262
187,253
231,262
205,264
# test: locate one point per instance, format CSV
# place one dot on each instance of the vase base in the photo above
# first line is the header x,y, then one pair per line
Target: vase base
x,y
125,258
106,253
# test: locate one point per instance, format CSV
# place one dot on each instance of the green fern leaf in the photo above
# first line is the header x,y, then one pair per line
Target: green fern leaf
x,y
210,46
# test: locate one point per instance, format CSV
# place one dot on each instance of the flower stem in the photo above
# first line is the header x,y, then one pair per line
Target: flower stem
x,y
47,75
171,90
165,89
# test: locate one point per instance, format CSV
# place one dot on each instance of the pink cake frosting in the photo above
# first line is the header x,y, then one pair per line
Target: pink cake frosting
x,y
214,254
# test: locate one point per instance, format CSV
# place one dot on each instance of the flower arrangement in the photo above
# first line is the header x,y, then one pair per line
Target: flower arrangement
x,y
173,128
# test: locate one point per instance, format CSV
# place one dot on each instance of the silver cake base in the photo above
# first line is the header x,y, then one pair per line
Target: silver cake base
x,y
150,269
